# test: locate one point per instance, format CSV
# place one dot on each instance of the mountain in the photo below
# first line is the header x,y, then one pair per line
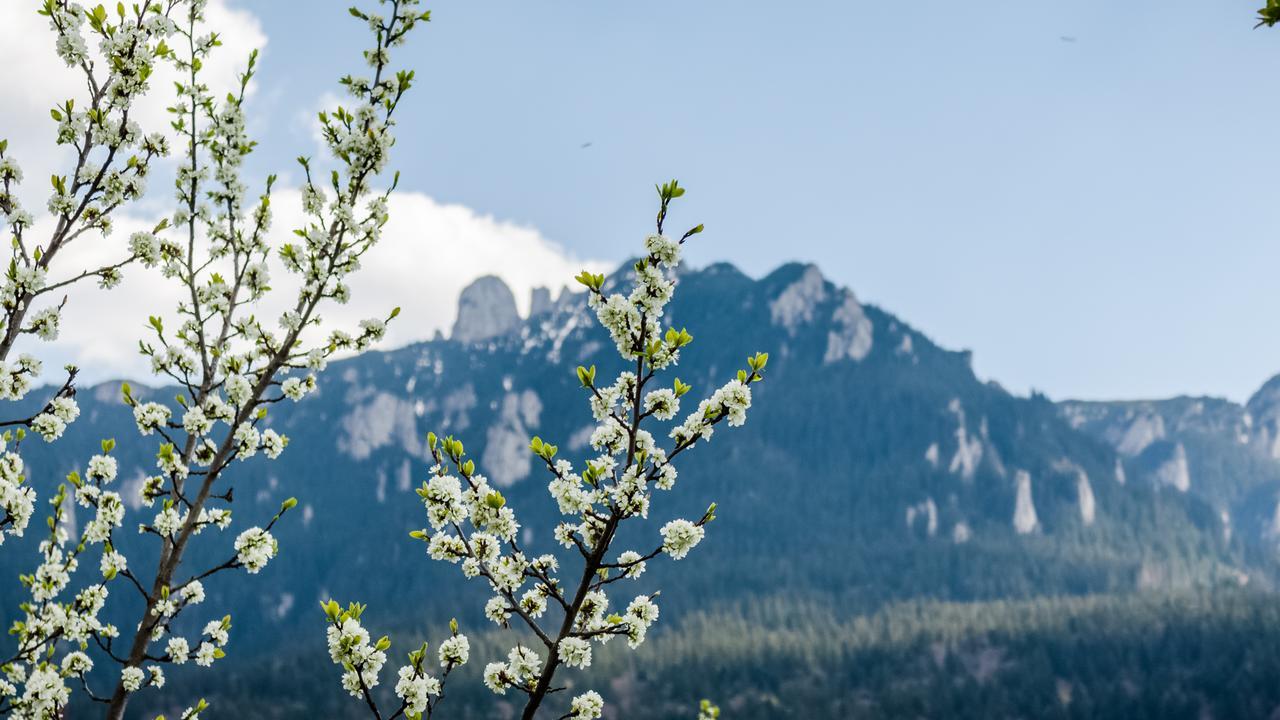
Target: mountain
x,y
876,469
1221,452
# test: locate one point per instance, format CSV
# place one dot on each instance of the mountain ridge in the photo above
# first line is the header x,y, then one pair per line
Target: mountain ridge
x,y
876,468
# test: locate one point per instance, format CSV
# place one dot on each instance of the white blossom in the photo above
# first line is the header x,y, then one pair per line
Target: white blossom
x,y
254,548
587,706
575,652
455,651
131,678
679,537
178,650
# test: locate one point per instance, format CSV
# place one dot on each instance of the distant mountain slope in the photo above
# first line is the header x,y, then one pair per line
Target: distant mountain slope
x,y
875,467
1222,452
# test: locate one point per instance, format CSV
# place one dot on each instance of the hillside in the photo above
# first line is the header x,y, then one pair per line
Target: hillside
x,y
876,469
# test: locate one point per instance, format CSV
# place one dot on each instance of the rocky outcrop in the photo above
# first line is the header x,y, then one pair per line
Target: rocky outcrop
x,y
1025,520
968,453
1175,472
378,422
808,298
1144,429
540,302
850,337
926,510
506,456
486,309
795,306
1085,500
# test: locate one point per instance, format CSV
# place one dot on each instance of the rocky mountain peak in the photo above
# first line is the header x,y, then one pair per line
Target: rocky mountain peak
x,y
486,309
1267,398
807,298
540,301
1263,417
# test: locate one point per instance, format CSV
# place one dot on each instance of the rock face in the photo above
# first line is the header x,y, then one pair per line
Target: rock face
x,y
927,510
506,455
968,448
1175,472
381,421
1145,429
851,335
1084,493
1085,499
486,310
809,299
1024,509
1213,449
795,305
539,302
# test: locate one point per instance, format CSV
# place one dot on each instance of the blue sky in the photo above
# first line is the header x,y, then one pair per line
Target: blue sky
x,y
1094,218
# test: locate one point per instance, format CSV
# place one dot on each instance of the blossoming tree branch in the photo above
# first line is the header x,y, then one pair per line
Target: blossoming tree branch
x,y
111,158
230,364
471,524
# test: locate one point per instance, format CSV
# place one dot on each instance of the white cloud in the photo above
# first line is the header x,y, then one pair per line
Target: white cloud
x,y
429,252
433,250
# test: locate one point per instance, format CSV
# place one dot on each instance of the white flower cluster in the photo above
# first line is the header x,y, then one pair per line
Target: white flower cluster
x,y
61,412
730,401
679,537
455,651
575,652
254,548
361,661
35,684
520,670
350,648
215,634
416,690
16,378
587,706
17,499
